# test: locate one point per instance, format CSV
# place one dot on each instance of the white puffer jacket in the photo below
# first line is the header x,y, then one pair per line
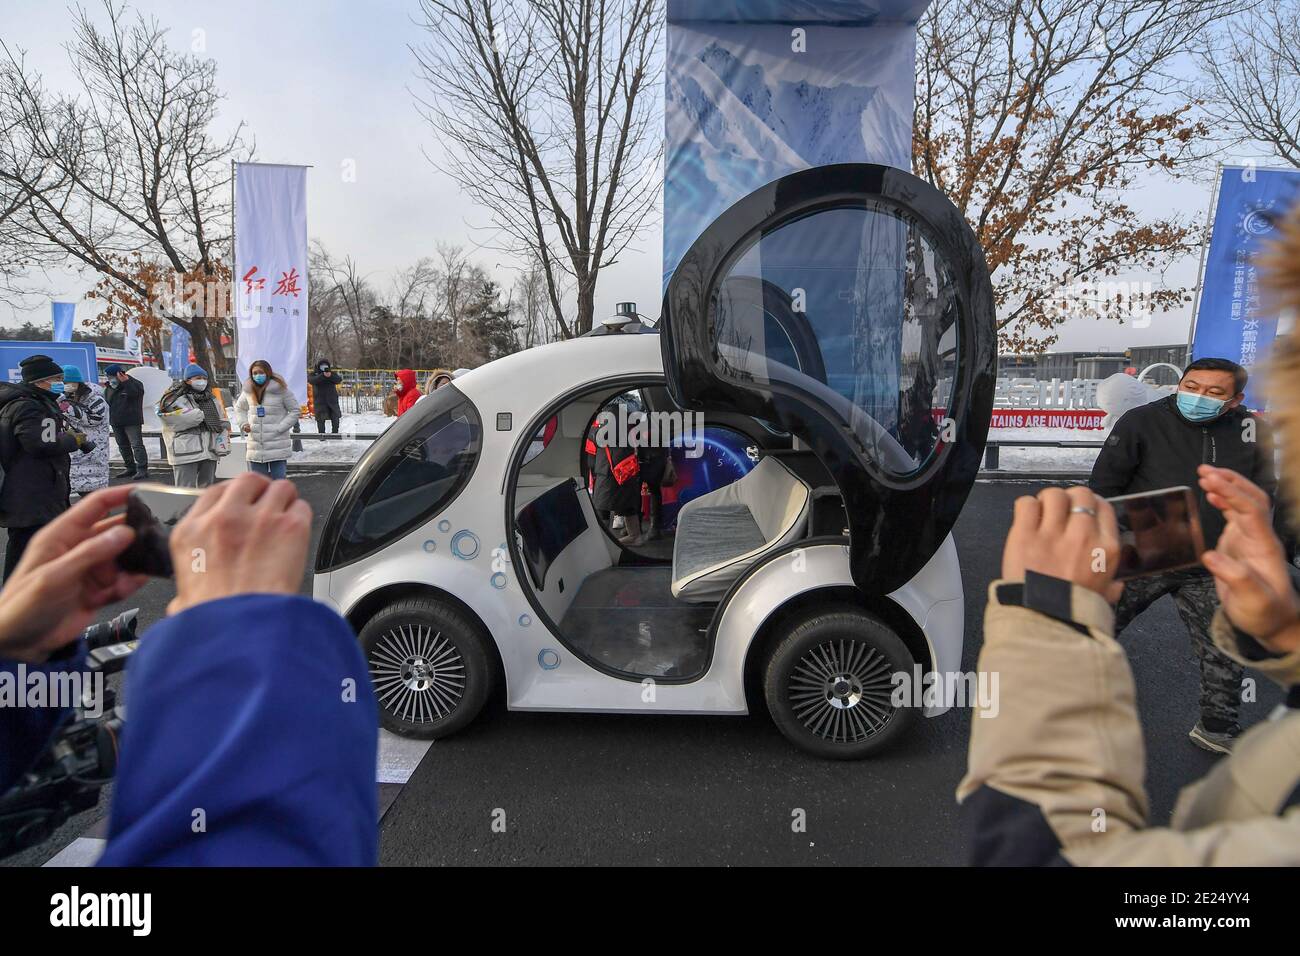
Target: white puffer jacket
x,y
269,434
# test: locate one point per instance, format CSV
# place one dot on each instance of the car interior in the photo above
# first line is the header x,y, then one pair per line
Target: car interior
x,y
644,610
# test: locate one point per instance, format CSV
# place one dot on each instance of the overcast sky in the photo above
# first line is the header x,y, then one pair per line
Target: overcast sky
x,y
329,81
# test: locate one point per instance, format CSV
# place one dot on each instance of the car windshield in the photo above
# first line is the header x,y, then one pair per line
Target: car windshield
x,y
410,474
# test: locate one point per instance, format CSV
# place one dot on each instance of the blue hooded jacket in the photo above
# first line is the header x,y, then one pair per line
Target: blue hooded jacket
x,y
251,740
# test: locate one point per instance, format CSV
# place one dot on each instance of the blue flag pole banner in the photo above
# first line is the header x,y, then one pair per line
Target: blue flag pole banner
x,y
1231,322
271,270
178,356
758,89
63,313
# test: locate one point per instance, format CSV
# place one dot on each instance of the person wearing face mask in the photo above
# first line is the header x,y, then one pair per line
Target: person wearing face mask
x,y
325,382
1161,445
125,398
36,443
266,413
195,431
85,408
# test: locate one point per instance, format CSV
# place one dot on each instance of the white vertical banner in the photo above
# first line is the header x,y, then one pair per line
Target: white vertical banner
x,y
131,342
271,270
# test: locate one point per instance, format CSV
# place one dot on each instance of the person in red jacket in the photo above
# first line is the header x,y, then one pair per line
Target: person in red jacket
x,y
407,393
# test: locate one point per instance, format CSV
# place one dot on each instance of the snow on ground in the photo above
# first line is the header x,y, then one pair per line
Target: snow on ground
x,y
330,450
1010,457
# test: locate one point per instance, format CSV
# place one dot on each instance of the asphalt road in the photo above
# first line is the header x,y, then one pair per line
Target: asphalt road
x,y
614,790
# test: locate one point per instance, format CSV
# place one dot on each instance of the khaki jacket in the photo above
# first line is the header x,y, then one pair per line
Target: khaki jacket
x,y
1056,777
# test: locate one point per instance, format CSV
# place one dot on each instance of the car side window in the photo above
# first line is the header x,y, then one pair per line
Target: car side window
x,y
871,326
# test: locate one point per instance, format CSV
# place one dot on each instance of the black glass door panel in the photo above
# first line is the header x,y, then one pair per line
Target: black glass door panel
x,y
851,306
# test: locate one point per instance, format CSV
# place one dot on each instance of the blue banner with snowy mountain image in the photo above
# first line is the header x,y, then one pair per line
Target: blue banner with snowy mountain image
x,y
758,90
63,313
1231,321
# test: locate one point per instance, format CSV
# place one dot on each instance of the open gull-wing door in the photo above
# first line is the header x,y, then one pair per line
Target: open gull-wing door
x,y
851,306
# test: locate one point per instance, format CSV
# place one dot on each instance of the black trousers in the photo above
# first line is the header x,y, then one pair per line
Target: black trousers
x,y
130,443
19,538
328,413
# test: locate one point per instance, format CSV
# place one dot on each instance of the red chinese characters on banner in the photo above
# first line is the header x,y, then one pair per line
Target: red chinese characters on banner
x,y
288,284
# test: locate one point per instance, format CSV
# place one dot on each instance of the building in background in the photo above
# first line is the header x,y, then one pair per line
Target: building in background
x,y
1064,366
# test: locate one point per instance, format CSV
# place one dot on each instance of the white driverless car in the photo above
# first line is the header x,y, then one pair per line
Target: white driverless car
x,y
825,359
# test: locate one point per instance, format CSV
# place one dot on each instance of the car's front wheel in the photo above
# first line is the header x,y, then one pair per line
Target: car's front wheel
x,y
430,666
829,684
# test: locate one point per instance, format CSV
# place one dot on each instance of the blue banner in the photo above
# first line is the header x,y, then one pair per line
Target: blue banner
x,y
757,90
63,313
1231,322
179,355
80,354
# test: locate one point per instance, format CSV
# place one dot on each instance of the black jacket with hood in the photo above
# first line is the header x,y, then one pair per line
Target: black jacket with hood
x,y
34,448
1154,446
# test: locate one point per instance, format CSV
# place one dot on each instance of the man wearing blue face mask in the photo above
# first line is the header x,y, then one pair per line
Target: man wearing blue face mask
x,y
1161,445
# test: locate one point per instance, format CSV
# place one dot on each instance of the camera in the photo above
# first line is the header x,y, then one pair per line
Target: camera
x,y
82,758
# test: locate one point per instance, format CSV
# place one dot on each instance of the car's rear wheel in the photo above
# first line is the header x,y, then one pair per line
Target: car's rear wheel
x,y
829,684
430,667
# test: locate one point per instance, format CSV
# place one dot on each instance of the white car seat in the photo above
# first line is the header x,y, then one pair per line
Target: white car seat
x,y
722,533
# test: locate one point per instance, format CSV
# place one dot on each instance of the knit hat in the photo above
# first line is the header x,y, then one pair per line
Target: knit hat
x,y
36,368
112,370
72,374
194,371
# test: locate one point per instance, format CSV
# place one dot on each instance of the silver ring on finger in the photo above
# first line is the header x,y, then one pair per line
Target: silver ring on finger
x,y
1083,510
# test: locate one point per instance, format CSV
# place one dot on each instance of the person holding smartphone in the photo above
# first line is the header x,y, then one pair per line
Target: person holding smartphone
x,y
1161,445
1056,771
266,412
232,711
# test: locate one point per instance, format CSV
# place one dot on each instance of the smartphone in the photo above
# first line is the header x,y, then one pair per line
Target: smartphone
x,y
153,510
1158,531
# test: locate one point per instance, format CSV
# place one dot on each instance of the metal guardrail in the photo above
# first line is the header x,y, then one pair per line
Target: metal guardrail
x,y
297,437
991,447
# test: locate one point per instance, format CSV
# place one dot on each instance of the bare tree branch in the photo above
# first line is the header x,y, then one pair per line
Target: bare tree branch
x,y
547,112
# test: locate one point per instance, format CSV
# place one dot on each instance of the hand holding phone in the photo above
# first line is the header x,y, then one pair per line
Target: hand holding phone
x,y
1068,534
1249,564
1158,531
152,510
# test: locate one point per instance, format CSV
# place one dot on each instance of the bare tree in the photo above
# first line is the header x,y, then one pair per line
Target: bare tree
x,y
1253,78
350,292
1038,118
546,110
328,322
123,176
538,323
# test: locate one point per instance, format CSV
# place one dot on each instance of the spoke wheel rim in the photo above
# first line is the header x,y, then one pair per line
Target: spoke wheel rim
x,y
419,675
840,691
